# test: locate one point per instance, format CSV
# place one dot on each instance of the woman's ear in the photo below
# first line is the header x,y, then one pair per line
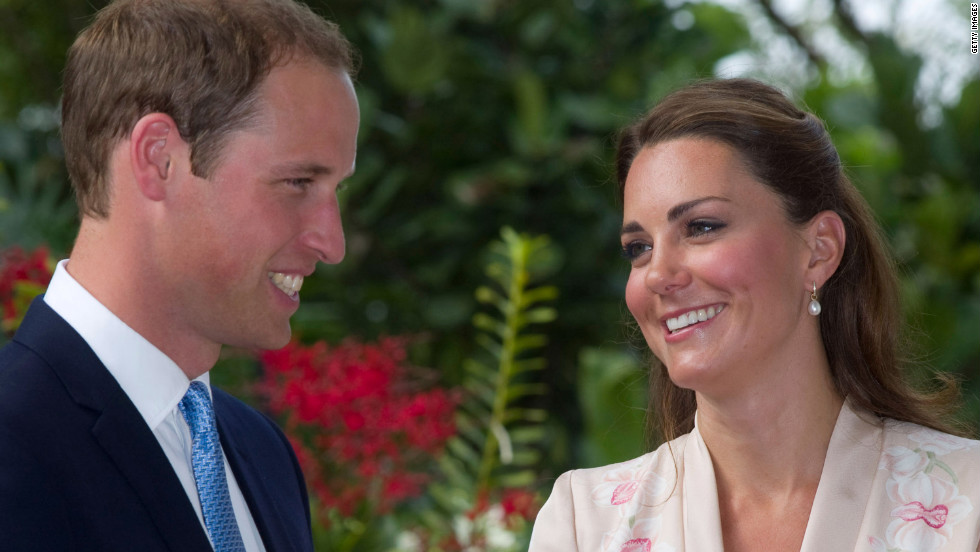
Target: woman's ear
x,y
152,148
825,236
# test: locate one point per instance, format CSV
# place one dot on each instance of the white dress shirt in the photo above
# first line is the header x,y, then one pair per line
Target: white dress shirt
x,y
153,382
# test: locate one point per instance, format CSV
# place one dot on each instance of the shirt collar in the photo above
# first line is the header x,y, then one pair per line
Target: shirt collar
x,y
153,382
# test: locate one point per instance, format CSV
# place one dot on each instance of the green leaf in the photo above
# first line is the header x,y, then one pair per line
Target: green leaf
x,y
537,295
416,55
486,323
464,452
490,345
541,315
526,342
529,364
517,480
526,415
502,387
530,434
521,390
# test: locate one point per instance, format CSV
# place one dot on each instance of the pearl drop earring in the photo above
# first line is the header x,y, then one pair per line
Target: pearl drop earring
x,y
814,307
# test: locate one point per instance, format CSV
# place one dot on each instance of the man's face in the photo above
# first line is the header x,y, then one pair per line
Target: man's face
x,y
242,239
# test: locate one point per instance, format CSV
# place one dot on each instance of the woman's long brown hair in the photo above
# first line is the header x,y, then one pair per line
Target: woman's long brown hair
x,y
790,152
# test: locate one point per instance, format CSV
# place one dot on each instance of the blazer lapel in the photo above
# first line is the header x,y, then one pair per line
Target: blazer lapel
x,y
845,484
124,436
118,427
261,502
701,511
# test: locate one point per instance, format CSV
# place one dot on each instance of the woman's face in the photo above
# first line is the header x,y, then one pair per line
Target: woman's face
x,y
717,284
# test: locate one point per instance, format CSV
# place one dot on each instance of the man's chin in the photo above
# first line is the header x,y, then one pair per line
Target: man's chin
x,y
278,342
268,341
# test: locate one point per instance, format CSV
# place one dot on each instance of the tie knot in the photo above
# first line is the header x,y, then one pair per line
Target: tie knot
x,y
197,411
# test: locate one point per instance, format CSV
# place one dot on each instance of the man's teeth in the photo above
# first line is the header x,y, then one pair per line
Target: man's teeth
x,y
697,315
290,284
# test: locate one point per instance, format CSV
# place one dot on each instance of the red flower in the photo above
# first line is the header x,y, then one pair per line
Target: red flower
x,y
521,503
18,271
520,506
364,437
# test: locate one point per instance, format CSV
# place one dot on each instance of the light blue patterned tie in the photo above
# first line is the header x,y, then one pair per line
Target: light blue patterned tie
x,y
209,470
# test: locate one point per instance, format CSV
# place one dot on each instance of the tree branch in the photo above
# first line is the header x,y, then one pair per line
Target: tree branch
x,y
843,12
794,32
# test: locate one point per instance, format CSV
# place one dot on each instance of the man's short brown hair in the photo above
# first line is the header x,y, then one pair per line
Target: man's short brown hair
x,y
199,61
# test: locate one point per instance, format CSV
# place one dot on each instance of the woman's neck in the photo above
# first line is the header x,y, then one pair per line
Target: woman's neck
x,y
774,441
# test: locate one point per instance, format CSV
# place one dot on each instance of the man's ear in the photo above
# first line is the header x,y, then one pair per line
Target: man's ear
x,y
153,148
825,236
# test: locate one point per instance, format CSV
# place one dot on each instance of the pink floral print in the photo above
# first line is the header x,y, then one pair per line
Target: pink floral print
x,y
636,535
925,492
620,486
913,511
637,545
886,486
628,487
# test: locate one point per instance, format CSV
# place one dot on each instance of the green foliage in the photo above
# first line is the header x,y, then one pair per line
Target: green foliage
x,y
510,120
347,534
500,431
478,114
613,393
24,293
921,181
34,37
36,207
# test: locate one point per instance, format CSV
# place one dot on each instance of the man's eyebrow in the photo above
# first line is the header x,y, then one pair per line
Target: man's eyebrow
x,y
677,211
314,169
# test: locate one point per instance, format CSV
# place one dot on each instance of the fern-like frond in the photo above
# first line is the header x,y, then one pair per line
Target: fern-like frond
x,y
498,432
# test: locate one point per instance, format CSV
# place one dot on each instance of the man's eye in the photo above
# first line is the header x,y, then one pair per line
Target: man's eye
x,y
634,249
300,183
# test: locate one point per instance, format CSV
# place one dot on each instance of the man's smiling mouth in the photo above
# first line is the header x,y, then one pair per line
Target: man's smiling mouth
x,y
289,284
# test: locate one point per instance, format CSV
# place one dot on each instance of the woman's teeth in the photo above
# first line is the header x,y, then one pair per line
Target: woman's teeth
x,y
697,315
290,284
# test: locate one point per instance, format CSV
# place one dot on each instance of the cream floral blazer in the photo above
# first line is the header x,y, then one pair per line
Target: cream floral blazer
x,y
885,487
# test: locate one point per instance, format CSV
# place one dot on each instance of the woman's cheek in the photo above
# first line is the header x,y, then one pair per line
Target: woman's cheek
x,y
635,296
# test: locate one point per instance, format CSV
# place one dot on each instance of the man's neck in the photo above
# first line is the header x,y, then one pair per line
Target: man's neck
x,y
111,269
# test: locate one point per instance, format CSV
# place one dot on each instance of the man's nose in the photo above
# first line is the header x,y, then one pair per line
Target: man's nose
x,y
323,231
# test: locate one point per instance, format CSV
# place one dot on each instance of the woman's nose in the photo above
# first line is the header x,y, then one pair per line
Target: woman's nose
x,y
665,272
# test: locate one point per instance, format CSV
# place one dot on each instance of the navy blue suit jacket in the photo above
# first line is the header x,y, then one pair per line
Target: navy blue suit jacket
x,y
80,470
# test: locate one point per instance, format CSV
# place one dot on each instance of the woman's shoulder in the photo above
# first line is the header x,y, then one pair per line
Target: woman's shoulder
x,y
912,447
928,440
927,488
653,469
594,508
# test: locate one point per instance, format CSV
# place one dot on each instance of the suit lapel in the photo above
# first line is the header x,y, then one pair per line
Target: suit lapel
x,y
118,427
124,436
261,502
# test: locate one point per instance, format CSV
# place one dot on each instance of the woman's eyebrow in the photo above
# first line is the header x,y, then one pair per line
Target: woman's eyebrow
x,y
630,228
678,211
673,214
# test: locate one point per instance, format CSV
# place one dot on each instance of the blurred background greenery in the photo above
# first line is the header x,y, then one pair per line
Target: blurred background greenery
x,y
480,114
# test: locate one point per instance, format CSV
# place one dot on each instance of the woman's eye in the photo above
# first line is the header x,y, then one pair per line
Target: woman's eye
x,y
632,250
699,227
